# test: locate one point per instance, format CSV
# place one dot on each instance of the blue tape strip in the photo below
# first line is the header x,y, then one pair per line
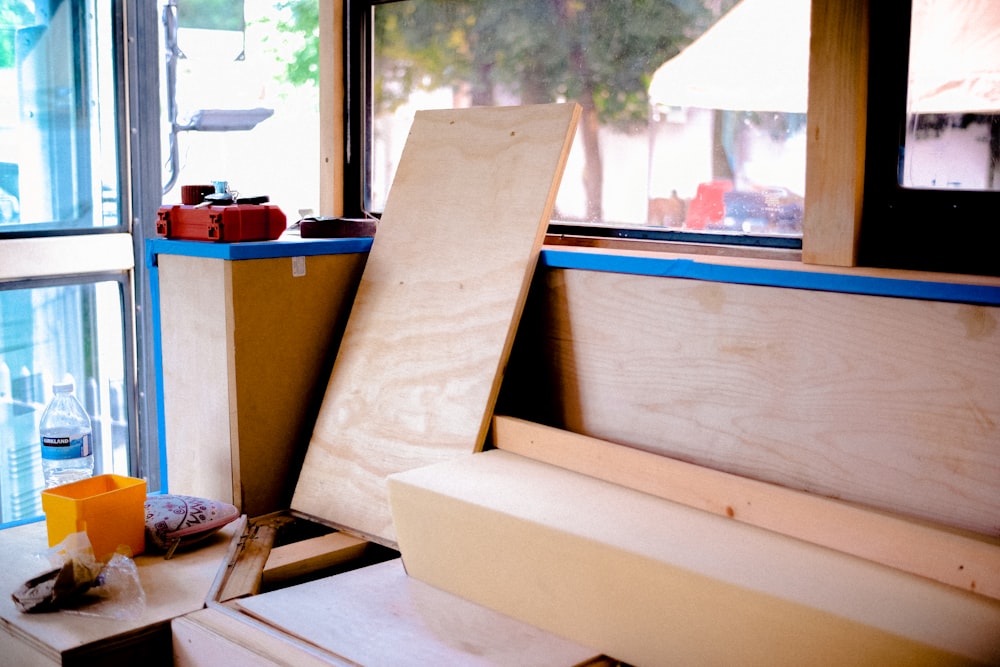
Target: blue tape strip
x,y
257,249
154,295
745,275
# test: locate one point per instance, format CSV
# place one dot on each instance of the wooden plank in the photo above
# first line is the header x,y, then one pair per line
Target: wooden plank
x,y
835,148
650,581
213,637
245,571
299,558
433,320
966,561
377,615
885,402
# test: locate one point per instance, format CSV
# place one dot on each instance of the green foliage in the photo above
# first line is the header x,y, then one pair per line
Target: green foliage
x,y
598,52
211,14
304,18
13,14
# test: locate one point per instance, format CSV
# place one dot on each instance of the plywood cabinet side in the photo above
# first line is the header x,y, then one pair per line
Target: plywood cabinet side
x,y
286,329
195,319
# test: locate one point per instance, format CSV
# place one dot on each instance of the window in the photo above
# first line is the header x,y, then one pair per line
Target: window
x,y
240,97
909,225
933,223
65,253
720,82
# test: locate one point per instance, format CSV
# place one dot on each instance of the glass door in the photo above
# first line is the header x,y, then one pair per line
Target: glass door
x,y
66,254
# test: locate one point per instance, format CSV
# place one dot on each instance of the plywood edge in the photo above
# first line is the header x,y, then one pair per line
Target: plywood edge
x,y
965,561
299,558
217,636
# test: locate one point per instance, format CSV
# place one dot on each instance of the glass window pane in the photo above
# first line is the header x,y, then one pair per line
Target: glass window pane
x,y
58,157
693,110
241,97
46,334
953,96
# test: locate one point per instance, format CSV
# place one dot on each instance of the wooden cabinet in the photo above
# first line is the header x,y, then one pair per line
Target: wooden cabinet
x,y
247,334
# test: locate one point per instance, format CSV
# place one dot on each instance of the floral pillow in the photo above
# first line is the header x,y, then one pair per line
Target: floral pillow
x,y
173,521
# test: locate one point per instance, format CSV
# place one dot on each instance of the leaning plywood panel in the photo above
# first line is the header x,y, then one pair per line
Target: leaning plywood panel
x,y
422,356
653,582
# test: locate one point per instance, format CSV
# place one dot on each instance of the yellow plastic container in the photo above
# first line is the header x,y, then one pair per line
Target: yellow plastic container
x,y
109,508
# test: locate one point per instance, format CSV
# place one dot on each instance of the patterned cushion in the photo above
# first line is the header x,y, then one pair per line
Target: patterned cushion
x,y
173,521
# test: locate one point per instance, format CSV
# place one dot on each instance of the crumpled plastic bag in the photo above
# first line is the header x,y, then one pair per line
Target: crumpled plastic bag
x,y
79,583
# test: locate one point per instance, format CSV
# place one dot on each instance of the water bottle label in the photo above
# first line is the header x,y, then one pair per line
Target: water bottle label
x,y
65,448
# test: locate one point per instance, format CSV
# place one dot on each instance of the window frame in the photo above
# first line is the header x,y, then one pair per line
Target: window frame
x,y
35,259
903,225
856,213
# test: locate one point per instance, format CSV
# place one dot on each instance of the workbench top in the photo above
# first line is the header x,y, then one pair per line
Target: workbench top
x,y
173,587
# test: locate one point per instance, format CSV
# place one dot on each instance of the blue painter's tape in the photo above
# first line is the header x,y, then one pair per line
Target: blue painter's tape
x,y
256,249
747,275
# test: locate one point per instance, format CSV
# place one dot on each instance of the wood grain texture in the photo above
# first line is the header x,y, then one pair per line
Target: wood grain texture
x,y
377,615
890,403
653,582
195,330
215,636
435,313
835,148
172,587
965,561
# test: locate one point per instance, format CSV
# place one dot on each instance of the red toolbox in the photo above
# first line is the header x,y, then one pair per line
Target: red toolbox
x,y
235,222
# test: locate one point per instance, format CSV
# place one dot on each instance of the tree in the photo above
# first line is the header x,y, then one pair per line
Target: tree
x,y
600,54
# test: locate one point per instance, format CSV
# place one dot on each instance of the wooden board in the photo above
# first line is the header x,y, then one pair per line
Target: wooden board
x,y
888,402
650,582
377,615
172,587
213,637
427,340
967,561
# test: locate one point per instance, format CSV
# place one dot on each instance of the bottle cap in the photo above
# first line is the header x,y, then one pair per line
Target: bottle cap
x,y
62,387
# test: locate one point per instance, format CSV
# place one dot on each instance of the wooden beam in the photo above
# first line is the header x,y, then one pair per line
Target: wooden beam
x,y
835,148
247,566
300,558
964,561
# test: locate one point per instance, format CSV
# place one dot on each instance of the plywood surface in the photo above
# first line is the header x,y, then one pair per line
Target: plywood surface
x,y
892,403
195,317
435,313
377,615
653,582
172,588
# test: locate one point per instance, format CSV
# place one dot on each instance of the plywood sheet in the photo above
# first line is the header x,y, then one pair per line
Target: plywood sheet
x,y
426,342
653,582
378,615
888,402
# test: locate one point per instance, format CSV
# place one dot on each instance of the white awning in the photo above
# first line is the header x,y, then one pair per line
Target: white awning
x,y
755,58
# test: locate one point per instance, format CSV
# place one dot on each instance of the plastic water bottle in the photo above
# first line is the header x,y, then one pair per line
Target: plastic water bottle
x,y
65,434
